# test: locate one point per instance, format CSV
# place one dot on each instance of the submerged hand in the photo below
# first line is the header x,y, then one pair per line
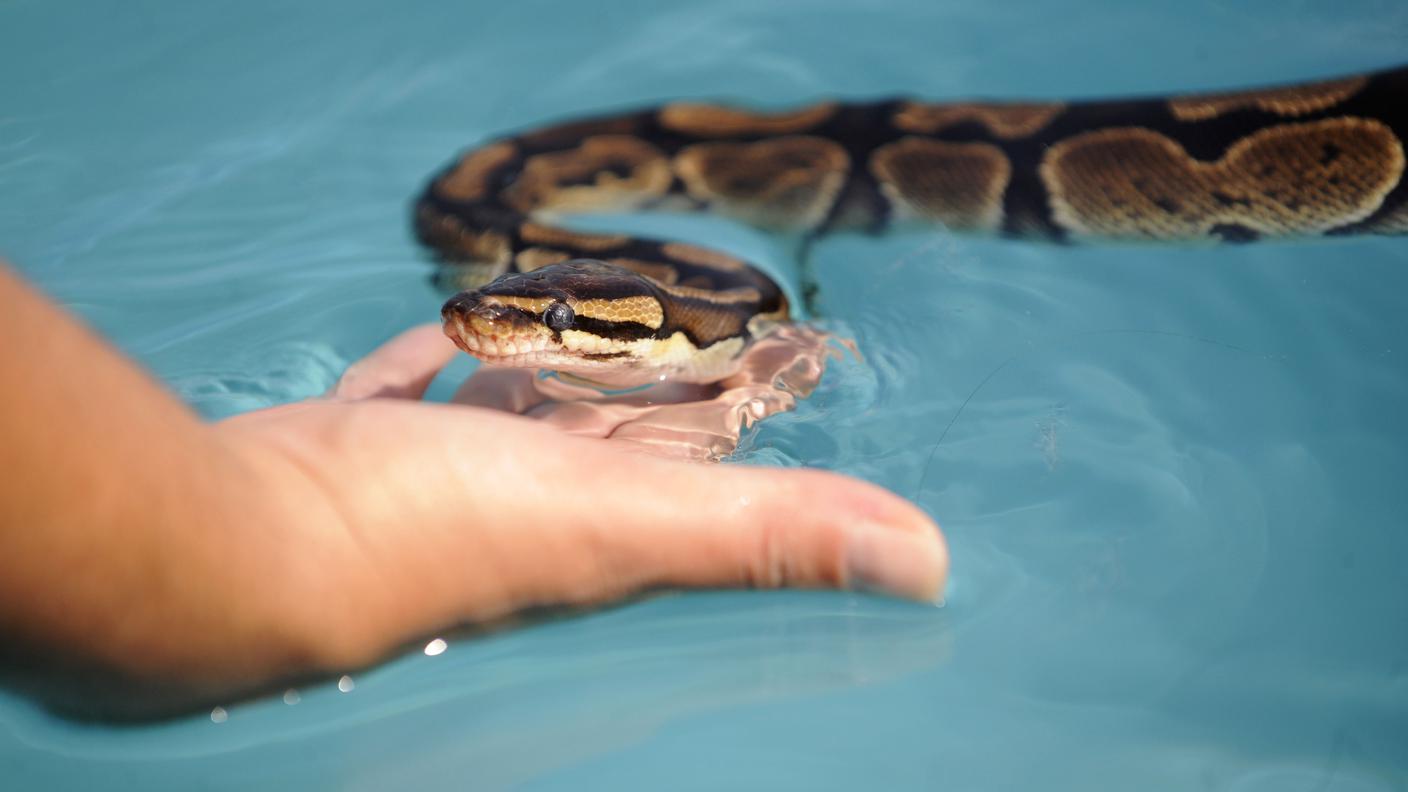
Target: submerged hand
x,y
427,515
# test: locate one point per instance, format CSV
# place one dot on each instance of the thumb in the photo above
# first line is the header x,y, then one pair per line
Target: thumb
x,y
402,368
772,528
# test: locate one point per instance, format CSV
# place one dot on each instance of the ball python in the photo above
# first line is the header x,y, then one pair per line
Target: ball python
x,y
1314,159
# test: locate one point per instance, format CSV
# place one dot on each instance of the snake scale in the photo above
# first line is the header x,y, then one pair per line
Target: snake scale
x,y
1316,159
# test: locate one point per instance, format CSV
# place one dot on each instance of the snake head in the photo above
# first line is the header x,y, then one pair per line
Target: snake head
x,y
583,317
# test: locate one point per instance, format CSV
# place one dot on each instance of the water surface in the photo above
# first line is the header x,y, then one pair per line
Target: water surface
x,y
1171,479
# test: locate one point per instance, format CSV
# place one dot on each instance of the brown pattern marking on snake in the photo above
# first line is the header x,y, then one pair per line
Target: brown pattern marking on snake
x,y
788,182
1303,178
1291,102
534,233
533,258
449,235
641,310
1006,121
703,257
709,315
607,172
704,120
957,184
662,273
469,181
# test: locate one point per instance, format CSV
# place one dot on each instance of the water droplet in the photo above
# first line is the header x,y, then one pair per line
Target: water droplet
x,y
291,697
345,684
219,715
436,647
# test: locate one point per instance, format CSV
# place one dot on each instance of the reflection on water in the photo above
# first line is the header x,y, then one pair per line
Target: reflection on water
x,y
1171,480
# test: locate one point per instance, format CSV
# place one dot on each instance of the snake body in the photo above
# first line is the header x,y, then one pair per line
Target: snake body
x,y
1315,159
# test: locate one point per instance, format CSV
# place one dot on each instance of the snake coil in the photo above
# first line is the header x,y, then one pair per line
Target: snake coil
x,y
1317,159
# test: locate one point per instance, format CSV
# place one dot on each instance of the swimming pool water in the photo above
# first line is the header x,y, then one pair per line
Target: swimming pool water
x,y
1172,480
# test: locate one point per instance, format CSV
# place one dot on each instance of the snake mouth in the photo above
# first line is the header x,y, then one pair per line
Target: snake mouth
x,y
498,340
497,349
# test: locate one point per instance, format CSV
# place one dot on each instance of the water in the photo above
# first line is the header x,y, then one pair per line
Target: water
x,y
1171,479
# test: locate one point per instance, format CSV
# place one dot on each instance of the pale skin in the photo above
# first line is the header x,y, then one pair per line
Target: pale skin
x,y
325,535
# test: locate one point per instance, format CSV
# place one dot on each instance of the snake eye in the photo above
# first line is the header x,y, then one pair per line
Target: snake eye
x,y
558,317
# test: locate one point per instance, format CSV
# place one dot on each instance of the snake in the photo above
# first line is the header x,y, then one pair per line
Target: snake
x,y
1322,158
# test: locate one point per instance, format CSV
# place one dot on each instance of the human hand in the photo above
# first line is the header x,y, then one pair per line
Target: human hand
x,y
426,515
150,561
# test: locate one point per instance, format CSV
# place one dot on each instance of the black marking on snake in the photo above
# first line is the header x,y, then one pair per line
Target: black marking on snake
x,y
1225,200
617,169
621,331
503,177
1236,234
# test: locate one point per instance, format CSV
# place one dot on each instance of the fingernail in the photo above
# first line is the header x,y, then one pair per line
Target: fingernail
x,y
900,563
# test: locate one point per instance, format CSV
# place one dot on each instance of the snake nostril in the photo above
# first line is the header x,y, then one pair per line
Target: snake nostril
x,y
492,312
459,305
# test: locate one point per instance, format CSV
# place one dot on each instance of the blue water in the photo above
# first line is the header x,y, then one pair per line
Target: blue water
x,y
1172,480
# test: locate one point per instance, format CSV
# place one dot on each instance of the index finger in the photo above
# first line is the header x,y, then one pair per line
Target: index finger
x,y
402,368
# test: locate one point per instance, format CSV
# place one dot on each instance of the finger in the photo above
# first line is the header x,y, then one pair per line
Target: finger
x,y
767,528
604,523
677,420
402,368
508,390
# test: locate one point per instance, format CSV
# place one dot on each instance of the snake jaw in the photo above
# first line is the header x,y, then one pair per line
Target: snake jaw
x,y
500,350
496,333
